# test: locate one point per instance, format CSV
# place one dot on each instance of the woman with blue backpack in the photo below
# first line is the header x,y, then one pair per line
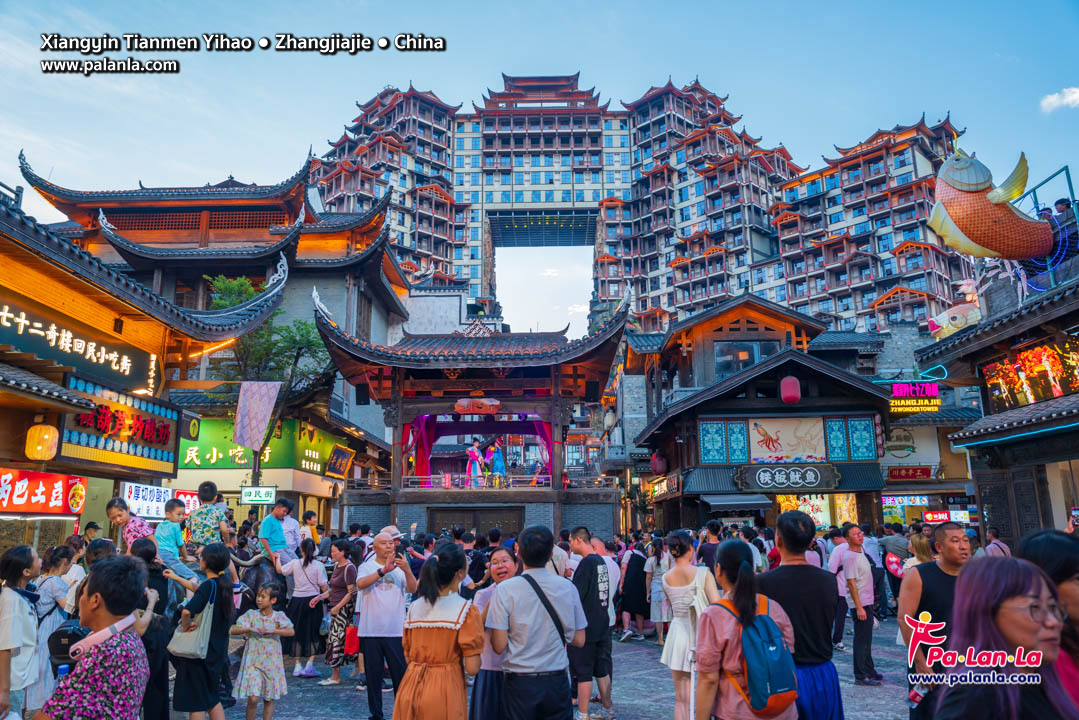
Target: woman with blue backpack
x,y
745,642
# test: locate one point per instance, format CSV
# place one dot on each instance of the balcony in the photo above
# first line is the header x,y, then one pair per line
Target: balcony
x,y
614,458
460,481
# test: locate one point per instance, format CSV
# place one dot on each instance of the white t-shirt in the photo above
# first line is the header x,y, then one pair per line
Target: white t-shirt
x,y
657,568
18,633
382,604
615,574
291,527
557,563
308,580
572,561
74,576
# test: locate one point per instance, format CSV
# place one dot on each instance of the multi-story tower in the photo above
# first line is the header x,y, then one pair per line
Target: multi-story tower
x,y
854,243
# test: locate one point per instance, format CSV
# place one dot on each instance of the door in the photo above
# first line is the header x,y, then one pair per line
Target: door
x,y
507,519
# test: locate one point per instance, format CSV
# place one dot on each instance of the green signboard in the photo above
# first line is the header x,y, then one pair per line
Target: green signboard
x,y
294,444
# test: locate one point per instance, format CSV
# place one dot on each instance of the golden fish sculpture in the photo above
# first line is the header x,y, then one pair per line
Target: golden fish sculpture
x,y
978,219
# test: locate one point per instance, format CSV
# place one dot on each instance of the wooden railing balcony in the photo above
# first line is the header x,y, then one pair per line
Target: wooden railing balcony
x,y
460,481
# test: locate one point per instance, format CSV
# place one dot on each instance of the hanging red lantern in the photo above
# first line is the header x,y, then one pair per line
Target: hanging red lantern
x,y
658,464
790,390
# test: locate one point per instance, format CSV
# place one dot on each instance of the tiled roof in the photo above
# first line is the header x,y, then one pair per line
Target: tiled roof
x,y
1021,418
645,342
143,256
199,399
846,339
1041,309
221,191
346,261
16,226
950,416
744,298
338,222
27,382
453,350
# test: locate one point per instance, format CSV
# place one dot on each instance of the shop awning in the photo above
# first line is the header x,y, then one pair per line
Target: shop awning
x,y
739,501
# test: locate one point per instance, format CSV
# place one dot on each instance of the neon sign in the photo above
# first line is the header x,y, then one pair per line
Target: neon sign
x,y
915,397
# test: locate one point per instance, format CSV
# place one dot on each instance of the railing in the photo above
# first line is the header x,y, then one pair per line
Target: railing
x,y
368,483
460,481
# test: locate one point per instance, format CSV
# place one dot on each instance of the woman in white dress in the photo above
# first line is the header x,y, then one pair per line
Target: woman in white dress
x,y
690,589
657,565
51,590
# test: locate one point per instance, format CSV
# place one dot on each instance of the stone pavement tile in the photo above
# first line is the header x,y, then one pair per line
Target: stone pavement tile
x,y
643,689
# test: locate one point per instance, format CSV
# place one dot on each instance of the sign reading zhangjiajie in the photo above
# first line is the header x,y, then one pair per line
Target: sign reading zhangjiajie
x,y
293,444
31,327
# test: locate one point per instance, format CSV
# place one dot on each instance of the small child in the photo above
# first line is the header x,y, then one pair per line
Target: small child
x,y
262,671
170,540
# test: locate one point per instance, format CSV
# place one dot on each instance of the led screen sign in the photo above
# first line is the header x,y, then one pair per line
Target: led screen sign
x,y
1039,373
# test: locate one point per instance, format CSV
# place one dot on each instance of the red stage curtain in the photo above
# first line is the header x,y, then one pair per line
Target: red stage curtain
x,y
543,432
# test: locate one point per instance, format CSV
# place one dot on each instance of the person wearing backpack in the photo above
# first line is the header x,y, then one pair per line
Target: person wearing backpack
x,y
745,647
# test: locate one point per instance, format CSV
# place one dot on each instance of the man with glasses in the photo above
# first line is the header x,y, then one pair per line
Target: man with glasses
x,y
930,587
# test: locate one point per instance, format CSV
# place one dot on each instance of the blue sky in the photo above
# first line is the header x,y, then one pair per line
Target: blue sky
x,y
809,75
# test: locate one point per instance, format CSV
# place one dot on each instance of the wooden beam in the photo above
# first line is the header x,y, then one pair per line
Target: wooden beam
x,y
470,384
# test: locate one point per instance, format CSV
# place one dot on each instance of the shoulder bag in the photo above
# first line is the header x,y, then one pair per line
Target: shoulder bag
x,y
195,643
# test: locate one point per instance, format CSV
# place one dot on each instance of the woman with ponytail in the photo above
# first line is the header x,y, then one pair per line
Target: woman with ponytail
x,y
719,636
305,607
441,629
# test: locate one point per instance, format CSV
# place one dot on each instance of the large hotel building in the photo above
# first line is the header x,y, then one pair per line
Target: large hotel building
x,y
682,206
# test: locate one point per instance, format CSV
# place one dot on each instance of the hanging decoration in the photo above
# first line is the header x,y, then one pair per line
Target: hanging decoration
x,y
790,390
960,316
658,464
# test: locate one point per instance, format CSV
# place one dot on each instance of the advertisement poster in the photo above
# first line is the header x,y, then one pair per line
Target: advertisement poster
x,y
39,493
146,501
786,440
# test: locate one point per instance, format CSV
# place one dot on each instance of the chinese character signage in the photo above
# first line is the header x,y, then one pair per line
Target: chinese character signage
x,y
910,472
39,493
130,431
146,501
936,516
1041,373
293,444
31,327
190,499
787,478
340,462
901,500
914,397
258,494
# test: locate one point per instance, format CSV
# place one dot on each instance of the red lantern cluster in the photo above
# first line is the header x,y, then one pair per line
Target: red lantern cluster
x,y
880,435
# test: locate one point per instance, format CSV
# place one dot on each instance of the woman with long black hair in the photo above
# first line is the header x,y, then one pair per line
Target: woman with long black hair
x,y
441,629
305,607
719,635
19,567
51,590
197,681
634,589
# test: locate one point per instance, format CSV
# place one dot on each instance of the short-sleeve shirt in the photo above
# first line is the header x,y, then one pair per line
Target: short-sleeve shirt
x,y
169,539
343,576
270,530
489,659
205,523
308,579
719,649
856,568
593,583
534,645
835,566
18,633
382,604
135,529
291,527
108,682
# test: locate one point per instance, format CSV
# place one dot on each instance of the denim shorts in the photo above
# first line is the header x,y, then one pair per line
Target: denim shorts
x,y
177,566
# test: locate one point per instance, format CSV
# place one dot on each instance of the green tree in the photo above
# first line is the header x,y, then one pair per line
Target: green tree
x,y
292,354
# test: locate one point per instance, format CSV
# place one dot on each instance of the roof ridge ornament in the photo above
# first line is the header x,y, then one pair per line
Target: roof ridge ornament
x,y
281,273
318,303
103,221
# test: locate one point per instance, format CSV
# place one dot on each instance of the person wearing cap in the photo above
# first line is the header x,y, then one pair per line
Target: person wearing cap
x,y
90,531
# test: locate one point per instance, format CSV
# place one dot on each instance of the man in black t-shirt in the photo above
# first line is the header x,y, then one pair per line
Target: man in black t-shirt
x,y
593,660
809,596
706,551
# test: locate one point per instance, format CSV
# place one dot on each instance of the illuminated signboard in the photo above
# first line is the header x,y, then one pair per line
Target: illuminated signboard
x,y
914,397
936,516
293,444
190,499
146,501
31,327
124,430
910,472
38,493
1041,373
900,500
340,462
258,494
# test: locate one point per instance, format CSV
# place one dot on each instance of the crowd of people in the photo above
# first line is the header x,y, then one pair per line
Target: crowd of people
x,y
461,625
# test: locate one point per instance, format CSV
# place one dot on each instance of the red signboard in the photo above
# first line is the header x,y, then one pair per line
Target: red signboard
x,y
190,499
39,493
936,516
910,472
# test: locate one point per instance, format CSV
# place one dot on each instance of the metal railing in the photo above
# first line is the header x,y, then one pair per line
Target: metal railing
x,y
368,483
460,481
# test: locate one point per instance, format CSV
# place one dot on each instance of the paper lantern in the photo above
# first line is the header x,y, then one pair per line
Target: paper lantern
x,y
790,390
658,464
609,420
41,442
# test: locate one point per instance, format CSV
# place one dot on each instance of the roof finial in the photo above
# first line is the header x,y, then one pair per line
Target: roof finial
x,y
311,150
319,307
103,221
23,164
141,186
281,274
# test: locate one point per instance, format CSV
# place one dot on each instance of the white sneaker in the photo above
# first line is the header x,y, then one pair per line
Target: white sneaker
x,y
298,671
601,713
626,636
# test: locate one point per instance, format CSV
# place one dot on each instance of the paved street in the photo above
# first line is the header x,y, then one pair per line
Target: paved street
x,y
642,687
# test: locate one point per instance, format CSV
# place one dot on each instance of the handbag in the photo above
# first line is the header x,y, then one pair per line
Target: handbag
x,y
352,640
195,643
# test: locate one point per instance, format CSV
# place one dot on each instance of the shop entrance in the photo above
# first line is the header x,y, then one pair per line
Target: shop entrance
x,y
507,519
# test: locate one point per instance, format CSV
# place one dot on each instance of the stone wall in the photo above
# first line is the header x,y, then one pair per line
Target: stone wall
x,y
535,514
377,516
598,518
634,409
900,342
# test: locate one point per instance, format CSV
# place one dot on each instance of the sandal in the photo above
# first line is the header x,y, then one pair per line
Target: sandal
x,y
329,681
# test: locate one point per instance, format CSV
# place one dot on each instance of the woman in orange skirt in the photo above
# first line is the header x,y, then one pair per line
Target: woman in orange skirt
x,y
443,640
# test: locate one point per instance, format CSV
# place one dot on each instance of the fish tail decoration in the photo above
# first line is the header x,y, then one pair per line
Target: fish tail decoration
x,y
1014,186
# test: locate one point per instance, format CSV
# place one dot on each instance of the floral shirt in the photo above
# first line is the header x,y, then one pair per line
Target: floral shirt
x,y
136,528
106,684
205,523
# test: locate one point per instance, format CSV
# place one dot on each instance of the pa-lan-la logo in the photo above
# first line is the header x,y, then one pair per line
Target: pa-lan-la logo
x,y
923,632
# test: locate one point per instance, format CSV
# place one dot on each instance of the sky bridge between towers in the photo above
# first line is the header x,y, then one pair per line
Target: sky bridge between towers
x,y
564,227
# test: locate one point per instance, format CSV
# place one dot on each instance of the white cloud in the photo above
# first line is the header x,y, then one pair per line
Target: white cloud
x,y
1068,97
550,273
575,309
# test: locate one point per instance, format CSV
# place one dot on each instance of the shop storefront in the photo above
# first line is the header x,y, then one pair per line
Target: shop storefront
x,y
39,509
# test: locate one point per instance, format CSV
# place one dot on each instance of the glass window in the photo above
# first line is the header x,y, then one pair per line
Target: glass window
x,y
733,357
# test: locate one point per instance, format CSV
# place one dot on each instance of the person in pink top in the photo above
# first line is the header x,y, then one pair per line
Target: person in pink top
x,y
132,527
719,638
1057,553
835,566
994,546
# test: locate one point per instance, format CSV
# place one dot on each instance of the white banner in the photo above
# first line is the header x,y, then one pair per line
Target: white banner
x,y
146,501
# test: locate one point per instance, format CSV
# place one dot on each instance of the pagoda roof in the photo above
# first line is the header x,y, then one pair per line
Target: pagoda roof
x,y
340,222
897,292
656,91
882,137
354,356
148,257
227,191
570,81
106,283
761,304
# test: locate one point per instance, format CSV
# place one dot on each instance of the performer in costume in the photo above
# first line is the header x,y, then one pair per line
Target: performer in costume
x,y
496,462
475,464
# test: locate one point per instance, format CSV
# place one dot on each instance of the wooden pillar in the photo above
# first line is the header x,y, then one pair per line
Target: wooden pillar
x,y
557,446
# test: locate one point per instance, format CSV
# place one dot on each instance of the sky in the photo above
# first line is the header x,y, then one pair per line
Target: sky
x,y
809,75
